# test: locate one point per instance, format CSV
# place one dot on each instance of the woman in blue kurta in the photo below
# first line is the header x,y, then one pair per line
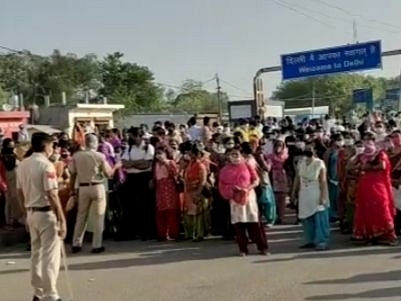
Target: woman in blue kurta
x,y
310,188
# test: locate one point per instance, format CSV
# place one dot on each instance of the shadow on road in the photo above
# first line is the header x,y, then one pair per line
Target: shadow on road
x,y
371,294
328,254
282,240
384,276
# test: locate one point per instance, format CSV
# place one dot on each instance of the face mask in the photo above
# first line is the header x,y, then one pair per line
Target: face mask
x,y
300,144
235,160
131,141
340,143
388,145
397,141
359,150
187,157
370,149
160,157
279,149
54,158
380,130
308,153
229,145
9,150
348,142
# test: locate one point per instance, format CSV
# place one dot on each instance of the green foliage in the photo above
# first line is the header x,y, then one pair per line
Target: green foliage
x,y
334,91
130,84
122,82
193,98
3,96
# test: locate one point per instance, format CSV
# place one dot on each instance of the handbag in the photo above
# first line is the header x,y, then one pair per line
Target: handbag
x,y
71,203
179,183
206,191
240,197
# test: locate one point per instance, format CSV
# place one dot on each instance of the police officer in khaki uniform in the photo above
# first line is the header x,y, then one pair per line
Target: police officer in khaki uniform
x,y
37,190
89,170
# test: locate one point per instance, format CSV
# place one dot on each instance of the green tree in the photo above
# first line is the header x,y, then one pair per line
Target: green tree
x,y
36,76
193,98
3,96
130,84
334,91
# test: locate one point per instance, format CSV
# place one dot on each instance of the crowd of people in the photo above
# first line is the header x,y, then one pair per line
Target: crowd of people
x,y
184,182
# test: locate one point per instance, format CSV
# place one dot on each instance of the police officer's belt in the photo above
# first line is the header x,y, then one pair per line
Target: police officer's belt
x,y
40,209
90,184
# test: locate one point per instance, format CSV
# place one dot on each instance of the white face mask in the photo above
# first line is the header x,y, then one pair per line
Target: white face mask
x,y
340,143
380,130
359,150
300,144
348,142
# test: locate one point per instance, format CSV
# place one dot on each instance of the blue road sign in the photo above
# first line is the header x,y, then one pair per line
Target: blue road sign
x,y
355,57
390,104
393,94
362,95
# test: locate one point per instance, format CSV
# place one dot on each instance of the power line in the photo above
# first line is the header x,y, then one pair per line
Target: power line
x,y
343,10
316,97
233,86
240,96
301,9
303,14
11,49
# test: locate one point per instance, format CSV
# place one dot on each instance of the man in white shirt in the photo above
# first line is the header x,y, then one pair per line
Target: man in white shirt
x,y
138,206
23,135
195,132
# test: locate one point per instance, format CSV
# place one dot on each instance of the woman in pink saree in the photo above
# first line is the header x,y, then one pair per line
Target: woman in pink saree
x,y
237,182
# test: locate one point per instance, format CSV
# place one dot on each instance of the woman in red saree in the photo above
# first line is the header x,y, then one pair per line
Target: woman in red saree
x,y
237,183
167,197
374,208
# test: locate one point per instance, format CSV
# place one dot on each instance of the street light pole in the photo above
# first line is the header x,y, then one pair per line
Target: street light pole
x,y
219,100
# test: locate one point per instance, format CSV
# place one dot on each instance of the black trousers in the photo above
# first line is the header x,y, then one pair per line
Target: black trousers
x,y
397,223
221,217
2,209
138,208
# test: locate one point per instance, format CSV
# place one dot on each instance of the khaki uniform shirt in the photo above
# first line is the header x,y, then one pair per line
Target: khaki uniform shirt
x,y
36,176
88,166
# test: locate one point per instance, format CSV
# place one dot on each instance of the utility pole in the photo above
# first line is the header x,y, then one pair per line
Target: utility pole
x,y
399,99
219,100
355,32
313,99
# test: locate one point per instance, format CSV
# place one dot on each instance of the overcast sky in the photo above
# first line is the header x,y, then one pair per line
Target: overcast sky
x,y
181,39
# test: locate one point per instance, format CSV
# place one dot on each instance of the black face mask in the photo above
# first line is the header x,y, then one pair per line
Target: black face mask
x,y
308,153
9,150
131,141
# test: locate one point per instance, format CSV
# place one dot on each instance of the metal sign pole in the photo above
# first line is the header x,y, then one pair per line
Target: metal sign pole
x,y
278,68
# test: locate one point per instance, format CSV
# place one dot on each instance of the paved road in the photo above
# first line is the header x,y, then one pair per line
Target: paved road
x,y
211,271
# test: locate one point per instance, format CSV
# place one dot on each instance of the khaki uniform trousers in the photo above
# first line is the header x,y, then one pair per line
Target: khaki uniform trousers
x,y
45,254
90,196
